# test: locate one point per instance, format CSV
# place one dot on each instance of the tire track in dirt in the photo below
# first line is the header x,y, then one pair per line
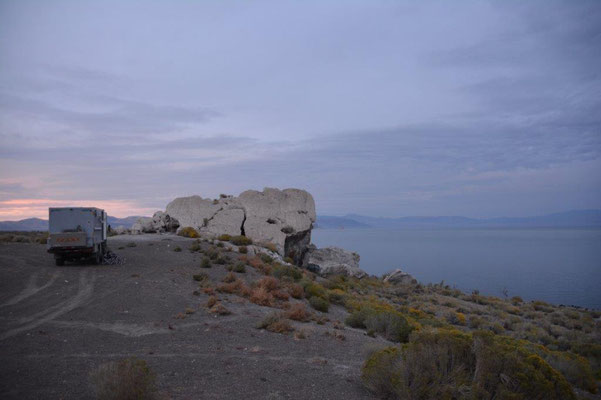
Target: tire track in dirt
x,y
84,293
30,289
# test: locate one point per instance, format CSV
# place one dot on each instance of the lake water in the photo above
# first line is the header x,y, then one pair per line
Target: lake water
x,y
560,266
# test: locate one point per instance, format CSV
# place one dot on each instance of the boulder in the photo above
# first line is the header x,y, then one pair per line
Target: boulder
x,y
333,261
160,222
282,217
399,277
143,225
163,222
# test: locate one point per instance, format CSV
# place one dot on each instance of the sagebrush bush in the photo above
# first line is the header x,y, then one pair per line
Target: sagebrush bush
x,y
280,271
129,379
241,240
205,263
453,365
224,238
319,303
188,232
298,312
389,323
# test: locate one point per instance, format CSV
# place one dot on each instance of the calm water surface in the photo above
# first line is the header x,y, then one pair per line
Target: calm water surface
x,y
561,266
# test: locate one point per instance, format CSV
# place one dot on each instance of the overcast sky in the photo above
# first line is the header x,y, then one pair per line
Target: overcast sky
x,y
383,108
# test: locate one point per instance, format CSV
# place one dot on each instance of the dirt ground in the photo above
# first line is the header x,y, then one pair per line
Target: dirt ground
x,y
57,324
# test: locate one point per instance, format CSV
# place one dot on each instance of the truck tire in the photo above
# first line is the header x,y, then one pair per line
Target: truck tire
x,y
59,261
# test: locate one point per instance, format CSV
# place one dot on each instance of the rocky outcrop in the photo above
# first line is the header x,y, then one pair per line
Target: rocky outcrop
x,y
160,222
282,217
333,261
399,277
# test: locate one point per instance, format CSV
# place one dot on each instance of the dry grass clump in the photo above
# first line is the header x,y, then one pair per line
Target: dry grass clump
x,y
275,322
188,232
241,240
126,379
262,297
259,265
219,309
295,290
298,312
212,301
236,286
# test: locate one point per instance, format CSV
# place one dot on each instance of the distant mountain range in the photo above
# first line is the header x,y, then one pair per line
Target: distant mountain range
x,y
576,219
38,224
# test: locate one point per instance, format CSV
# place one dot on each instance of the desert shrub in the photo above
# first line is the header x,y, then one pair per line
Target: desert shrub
x,y
212,253
241,240
131,244
337,296
456,318
280,271
295,290
289,260
298,312
576,369
177,249
280,294
235,287
224,238
195,247
497,328
266,258
188,232
452,365
221,260
243,249
200,277
126,379
229,278
539,305
515,300
389,323
220,245
269,283
205,263
313,289
275,322
319,303
239,267
262,297
212,301
219,309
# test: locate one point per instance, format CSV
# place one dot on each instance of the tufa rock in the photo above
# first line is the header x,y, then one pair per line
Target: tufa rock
x,y
399,277
282,217
160,222
333,260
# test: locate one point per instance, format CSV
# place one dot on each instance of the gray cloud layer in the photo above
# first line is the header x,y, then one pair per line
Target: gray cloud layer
x,y
481,109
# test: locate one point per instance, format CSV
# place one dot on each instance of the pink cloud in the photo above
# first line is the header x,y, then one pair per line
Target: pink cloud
x,y
17,209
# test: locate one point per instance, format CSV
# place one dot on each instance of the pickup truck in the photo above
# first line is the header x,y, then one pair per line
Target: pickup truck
x,y
77,233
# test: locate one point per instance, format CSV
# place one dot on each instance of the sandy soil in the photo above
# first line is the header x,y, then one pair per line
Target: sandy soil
x,y
59,323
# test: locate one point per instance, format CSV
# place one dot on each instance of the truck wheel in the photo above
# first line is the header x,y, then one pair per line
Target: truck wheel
x,y
59,262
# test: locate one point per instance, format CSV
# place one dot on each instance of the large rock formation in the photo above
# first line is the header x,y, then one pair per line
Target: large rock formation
x,y
333,261
282,217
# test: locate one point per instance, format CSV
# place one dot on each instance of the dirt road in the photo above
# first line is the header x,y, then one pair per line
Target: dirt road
x,y
57,324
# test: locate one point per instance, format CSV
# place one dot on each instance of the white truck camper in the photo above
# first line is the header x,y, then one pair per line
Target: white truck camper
x,y
77,233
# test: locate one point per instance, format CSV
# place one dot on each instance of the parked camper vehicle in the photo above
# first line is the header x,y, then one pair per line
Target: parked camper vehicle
x,y
77,233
